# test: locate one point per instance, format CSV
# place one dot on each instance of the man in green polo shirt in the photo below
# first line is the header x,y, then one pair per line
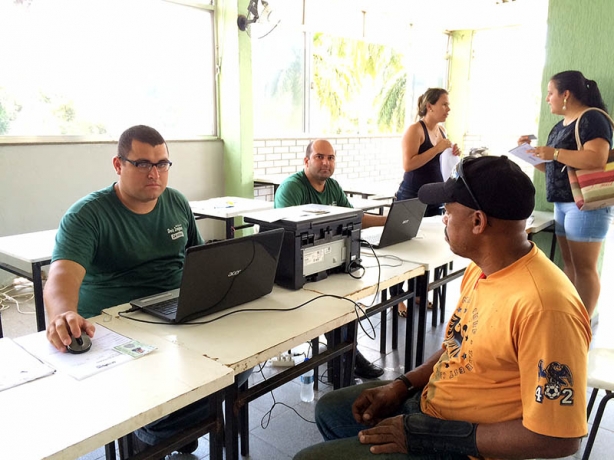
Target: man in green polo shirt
x,y
314,185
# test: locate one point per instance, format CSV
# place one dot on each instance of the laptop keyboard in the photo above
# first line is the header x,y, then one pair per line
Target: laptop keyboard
x,y
166,307
371,237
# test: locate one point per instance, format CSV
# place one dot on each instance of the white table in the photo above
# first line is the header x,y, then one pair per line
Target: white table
x,y
226,208
542,221
273,180
34,249
58,417
243,340
368,189
367,204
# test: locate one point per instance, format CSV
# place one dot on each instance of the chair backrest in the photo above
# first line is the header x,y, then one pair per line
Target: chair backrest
x,y
601,368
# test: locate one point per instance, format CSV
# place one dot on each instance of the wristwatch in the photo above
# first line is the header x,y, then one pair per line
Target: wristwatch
x,y
555,157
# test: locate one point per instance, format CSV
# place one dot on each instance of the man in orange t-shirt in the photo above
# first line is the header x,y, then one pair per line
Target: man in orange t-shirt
x,y
510,378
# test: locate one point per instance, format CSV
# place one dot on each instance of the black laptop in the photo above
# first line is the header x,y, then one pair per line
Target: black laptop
x,y
218,276
402,224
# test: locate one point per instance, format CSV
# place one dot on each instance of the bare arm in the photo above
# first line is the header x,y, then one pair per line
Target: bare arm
x,y
373,220
593,155
61,297
512,440
375,404
412,139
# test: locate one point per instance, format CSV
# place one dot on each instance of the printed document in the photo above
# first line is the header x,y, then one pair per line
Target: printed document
x,y
19,366
109,349
522,152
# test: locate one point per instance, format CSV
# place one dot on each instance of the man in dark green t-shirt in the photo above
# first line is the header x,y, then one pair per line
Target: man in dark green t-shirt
x,y
121,243
314,185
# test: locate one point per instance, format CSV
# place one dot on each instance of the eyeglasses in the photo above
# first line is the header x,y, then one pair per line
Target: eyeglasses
x,y
457,173
145,166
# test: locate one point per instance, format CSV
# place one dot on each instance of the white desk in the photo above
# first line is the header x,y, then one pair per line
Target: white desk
x,y
368,204
243,340
34,249
542,221
58,417
369,189
226,208
273,180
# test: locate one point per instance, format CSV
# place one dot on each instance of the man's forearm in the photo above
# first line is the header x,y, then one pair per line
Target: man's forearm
x,y
61,293
420,376
512,440
373,220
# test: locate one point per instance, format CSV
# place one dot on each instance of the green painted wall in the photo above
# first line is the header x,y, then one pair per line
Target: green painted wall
x,y
235,99
579,38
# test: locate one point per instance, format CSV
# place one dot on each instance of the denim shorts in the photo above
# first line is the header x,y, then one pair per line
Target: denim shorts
x,y
581,226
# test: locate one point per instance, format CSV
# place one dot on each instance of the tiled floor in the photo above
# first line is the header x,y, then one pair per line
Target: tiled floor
x,y
281,424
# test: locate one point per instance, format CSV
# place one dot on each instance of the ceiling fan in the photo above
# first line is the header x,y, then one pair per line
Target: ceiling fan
x,y
260,20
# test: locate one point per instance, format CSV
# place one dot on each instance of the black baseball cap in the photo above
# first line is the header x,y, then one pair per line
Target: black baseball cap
x,y
493,184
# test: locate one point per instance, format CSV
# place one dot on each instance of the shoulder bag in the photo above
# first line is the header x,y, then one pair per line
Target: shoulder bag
x,y
592,188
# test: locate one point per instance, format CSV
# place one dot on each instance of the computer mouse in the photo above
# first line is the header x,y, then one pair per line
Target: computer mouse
x,y
79,344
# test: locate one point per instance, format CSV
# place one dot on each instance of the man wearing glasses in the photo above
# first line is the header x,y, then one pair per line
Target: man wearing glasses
x,y
120,243
509,380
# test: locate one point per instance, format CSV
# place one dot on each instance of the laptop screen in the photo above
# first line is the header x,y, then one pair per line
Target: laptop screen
x,y
224,274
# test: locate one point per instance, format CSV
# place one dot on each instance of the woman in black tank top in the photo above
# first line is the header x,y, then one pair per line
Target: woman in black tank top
x,y
423,143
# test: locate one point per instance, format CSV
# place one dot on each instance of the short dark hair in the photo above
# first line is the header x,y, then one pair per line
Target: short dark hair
x,y
140,133
309,149
431,96
584,90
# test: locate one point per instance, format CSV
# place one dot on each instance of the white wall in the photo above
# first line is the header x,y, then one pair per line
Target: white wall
x,y
39,182
369,158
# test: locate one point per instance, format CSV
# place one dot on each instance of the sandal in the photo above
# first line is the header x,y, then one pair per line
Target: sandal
x,y
429,305
403,313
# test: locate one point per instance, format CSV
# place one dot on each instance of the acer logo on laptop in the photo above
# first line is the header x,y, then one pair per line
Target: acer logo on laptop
x,y
233,273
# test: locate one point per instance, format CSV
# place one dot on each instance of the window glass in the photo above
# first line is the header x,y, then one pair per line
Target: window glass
x,y
357,87
278,79
95,67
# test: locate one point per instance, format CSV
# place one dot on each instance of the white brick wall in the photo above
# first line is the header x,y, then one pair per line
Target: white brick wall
x,y
375,159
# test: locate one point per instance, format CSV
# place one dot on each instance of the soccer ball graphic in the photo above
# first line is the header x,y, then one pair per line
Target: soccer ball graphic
x,y
552,391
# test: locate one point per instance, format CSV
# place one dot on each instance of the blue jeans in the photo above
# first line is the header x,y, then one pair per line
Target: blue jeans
x,y
339,429
178,421
581,226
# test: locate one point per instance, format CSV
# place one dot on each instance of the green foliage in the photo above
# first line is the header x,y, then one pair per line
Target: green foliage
x,y
360,85
391,117
8,112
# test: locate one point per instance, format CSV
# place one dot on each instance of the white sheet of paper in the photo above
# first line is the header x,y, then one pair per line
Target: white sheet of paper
x,y
100,357
19,366
522,152
448,161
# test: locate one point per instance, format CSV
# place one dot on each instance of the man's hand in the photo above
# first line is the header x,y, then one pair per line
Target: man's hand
x,y
64,326
388,437
375,404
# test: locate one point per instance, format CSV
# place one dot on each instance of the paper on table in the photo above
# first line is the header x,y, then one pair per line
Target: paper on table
x,y
522,152
101,356
19,366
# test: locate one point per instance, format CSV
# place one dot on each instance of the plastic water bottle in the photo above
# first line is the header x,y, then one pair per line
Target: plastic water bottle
x,y
307,385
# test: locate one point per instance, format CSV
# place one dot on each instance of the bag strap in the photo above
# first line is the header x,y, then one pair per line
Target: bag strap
x,y
577,130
